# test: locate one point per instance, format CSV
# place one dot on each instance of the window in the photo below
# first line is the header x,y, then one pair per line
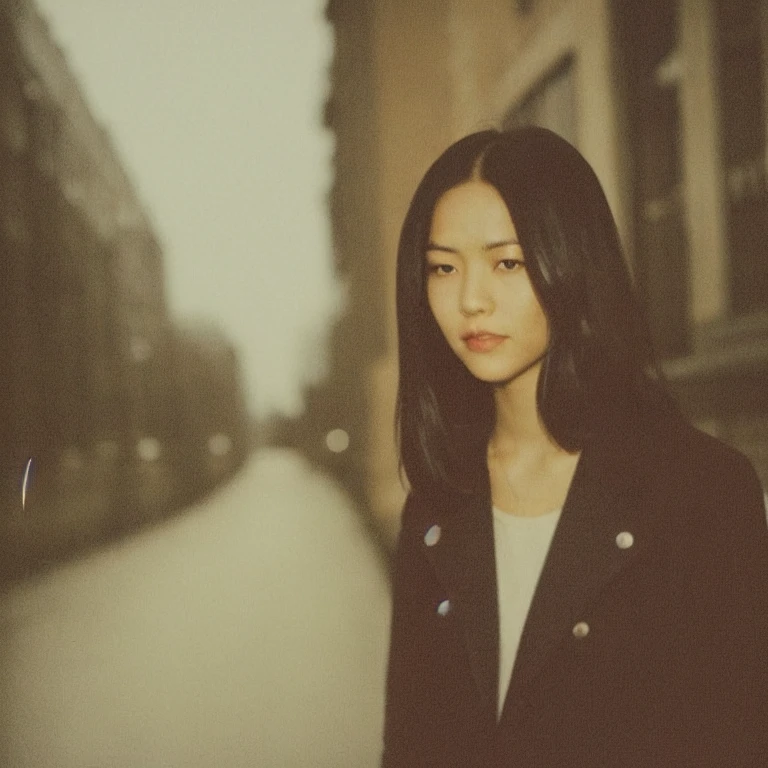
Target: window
x,y
741,29
651,64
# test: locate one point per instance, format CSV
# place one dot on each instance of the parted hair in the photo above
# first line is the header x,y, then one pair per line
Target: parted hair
x,y
599,366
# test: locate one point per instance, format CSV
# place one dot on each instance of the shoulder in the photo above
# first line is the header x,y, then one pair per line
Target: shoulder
x,y
670,444
676,469
706,483
425,508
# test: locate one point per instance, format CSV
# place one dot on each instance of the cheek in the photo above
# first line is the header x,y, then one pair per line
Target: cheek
x,y
437,303
533,309
540,324
525,313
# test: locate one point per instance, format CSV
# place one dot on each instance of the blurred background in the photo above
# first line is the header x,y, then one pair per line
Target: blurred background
x,y
199,212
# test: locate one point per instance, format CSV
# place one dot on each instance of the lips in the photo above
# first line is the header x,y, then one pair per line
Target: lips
x,y
482,342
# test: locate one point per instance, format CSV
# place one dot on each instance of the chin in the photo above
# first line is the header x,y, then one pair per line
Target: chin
x,y
492,376
500,376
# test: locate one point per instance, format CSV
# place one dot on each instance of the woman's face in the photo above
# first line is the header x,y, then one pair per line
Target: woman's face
x,y
478,287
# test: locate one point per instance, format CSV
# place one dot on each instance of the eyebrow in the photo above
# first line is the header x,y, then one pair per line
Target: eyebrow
x,y
488,247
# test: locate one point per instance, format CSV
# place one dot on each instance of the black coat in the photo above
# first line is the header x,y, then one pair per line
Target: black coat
x,y
673,670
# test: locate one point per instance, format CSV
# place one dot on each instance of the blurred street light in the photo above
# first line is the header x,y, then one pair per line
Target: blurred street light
x,y
337,440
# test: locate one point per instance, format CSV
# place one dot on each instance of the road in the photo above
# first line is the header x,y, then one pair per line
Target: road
x,y
251,631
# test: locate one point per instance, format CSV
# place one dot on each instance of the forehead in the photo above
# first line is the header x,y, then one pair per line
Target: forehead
x,y
472,212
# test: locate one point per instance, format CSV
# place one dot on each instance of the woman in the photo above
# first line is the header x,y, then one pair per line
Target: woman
x,y
581,578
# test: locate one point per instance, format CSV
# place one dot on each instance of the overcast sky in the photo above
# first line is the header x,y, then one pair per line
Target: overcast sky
x,y
215,107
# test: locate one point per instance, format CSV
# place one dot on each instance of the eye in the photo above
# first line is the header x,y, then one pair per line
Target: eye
x,y
440,269
509,265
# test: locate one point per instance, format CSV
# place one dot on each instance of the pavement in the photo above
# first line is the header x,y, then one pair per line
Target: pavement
x,y
250,631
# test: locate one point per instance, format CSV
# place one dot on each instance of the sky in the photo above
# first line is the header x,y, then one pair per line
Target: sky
x,y
214,107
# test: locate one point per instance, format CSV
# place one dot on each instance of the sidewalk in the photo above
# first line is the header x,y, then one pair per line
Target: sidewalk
x,y
250,631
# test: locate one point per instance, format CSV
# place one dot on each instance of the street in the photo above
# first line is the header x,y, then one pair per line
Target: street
x,y
249,631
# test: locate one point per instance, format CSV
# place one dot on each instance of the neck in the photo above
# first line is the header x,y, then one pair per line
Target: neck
x,y
518,426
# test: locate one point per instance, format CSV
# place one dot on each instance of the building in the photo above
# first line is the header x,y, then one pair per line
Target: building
x,y
334,431
666,99
90,391
83,289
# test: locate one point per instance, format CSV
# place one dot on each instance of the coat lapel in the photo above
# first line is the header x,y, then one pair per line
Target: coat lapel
x,y
583,557
464,561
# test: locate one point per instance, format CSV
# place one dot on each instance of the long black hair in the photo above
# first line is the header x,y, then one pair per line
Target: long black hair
x,y
600,365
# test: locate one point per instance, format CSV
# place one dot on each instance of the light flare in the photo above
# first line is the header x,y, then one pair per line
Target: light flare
x,y
25,484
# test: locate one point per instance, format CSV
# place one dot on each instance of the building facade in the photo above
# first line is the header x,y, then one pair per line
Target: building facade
x,y
667,101
90,393
334,431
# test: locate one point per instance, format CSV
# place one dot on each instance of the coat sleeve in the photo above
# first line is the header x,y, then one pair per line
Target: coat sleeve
x,y
747,585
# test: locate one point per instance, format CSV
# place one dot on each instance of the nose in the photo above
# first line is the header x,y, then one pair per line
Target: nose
x,y
476,297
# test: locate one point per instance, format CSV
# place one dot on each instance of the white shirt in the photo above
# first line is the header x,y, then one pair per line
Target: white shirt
x,y
521,545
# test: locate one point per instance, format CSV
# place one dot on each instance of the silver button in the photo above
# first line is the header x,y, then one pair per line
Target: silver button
x,y
581,629
444,607
432,536
625,540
